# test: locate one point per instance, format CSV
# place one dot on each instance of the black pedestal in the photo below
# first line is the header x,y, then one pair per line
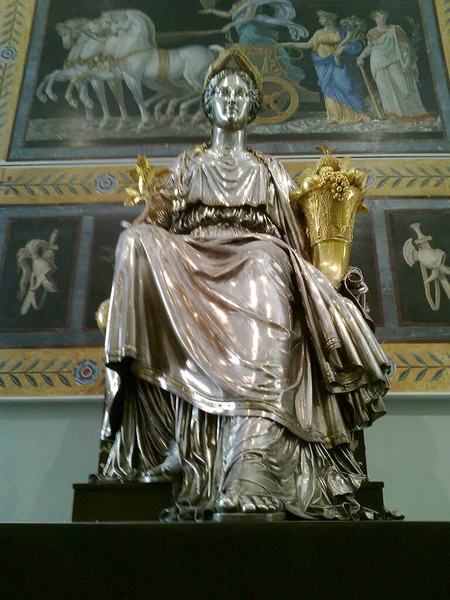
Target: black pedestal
x,y
116,502
215,561
119,502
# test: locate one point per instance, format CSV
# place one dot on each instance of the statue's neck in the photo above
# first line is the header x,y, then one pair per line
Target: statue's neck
x,y
231,140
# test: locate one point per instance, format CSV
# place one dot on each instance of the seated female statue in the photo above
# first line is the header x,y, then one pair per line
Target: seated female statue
x,y
242,371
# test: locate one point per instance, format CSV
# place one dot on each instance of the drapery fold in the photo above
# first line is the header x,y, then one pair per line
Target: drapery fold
x,y
222,323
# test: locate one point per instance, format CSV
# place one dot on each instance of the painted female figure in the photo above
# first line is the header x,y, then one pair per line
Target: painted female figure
x,y
394,67
333,55
255,27
242,370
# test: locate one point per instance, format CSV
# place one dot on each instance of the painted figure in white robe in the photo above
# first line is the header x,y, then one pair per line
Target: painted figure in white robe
x,y
236,369
394,67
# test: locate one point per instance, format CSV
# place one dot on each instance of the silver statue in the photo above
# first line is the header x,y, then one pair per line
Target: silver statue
x,y
235,367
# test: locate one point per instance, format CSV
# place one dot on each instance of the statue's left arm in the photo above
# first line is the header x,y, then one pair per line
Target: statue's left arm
x,y
281,210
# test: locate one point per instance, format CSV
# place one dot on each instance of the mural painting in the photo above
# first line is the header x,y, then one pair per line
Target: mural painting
x,y
37,274
419,243
115,76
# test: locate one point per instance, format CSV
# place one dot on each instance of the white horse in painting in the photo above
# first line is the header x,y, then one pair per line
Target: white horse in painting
x,y
179,71
176,75
85,51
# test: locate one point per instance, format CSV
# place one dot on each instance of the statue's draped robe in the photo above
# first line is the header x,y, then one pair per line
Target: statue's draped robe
x,y
240,365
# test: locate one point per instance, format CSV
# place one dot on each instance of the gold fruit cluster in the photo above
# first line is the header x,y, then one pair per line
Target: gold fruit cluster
x,y
337,174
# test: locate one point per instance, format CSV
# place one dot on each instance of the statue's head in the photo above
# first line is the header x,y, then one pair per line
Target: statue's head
x,y
232,93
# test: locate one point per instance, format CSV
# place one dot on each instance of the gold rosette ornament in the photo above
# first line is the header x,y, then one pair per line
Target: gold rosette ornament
x,y
329,198
150,182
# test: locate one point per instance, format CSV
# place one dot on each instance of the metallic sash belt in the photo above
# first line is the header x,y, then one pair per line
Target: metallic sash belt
x,y
198,217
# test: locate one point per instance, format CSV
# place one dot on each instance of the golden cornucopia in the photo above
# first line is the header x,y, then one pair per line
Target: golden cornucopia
x,y
329,197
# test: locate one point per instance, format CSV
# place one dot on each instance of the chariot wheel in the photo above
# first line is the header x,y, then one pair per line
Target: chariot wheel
x,y
280,100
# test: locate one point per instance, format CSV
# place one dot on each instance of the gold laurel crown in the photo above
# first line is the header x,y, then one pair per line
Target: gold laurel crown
x,y
234,59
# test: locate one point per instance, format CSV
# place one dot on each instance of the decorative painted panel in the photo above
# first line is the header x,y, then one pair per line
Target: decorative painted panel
x,y
419,246
105,235
36,281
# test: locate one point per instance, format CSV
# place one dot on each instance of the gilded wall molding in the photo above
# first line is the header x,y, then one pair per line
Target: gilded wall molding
x,y
51,372
443,17
419,368
394,177
15,28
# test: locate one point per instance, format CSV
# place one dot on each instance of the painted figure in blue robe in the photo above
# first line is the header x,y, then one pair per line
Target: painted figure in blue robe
x,y
257,28
334,55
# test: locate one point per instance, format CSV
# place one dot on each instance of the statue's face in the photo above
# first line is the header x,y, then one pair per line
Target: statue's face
x,y
231,103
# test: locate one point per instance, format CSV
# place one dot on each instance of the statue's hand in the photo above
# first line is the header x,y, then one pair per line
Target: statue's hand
x,y
158,214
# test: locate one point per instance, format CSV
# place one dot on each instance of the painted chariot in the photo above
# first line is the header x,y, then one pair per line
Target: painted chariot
x,y
282,95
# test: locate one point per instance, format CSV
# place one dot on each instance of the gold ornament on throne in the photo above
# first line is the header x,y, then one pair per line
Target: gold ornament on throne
x,y
150,181
329,197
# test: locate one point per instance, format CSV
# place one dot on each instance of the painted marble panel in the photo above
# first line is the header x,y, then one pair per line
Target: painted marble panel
x,y
37,274
419,246
364,256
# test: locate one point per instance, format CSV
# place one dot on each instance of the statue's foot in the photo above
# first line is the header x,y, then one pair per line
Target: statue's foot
x,y
232,502
170,469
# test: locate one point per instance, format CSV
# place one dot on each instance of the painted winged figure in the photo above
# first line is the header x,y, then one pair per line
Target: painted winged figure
x,y
36,263
259,22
